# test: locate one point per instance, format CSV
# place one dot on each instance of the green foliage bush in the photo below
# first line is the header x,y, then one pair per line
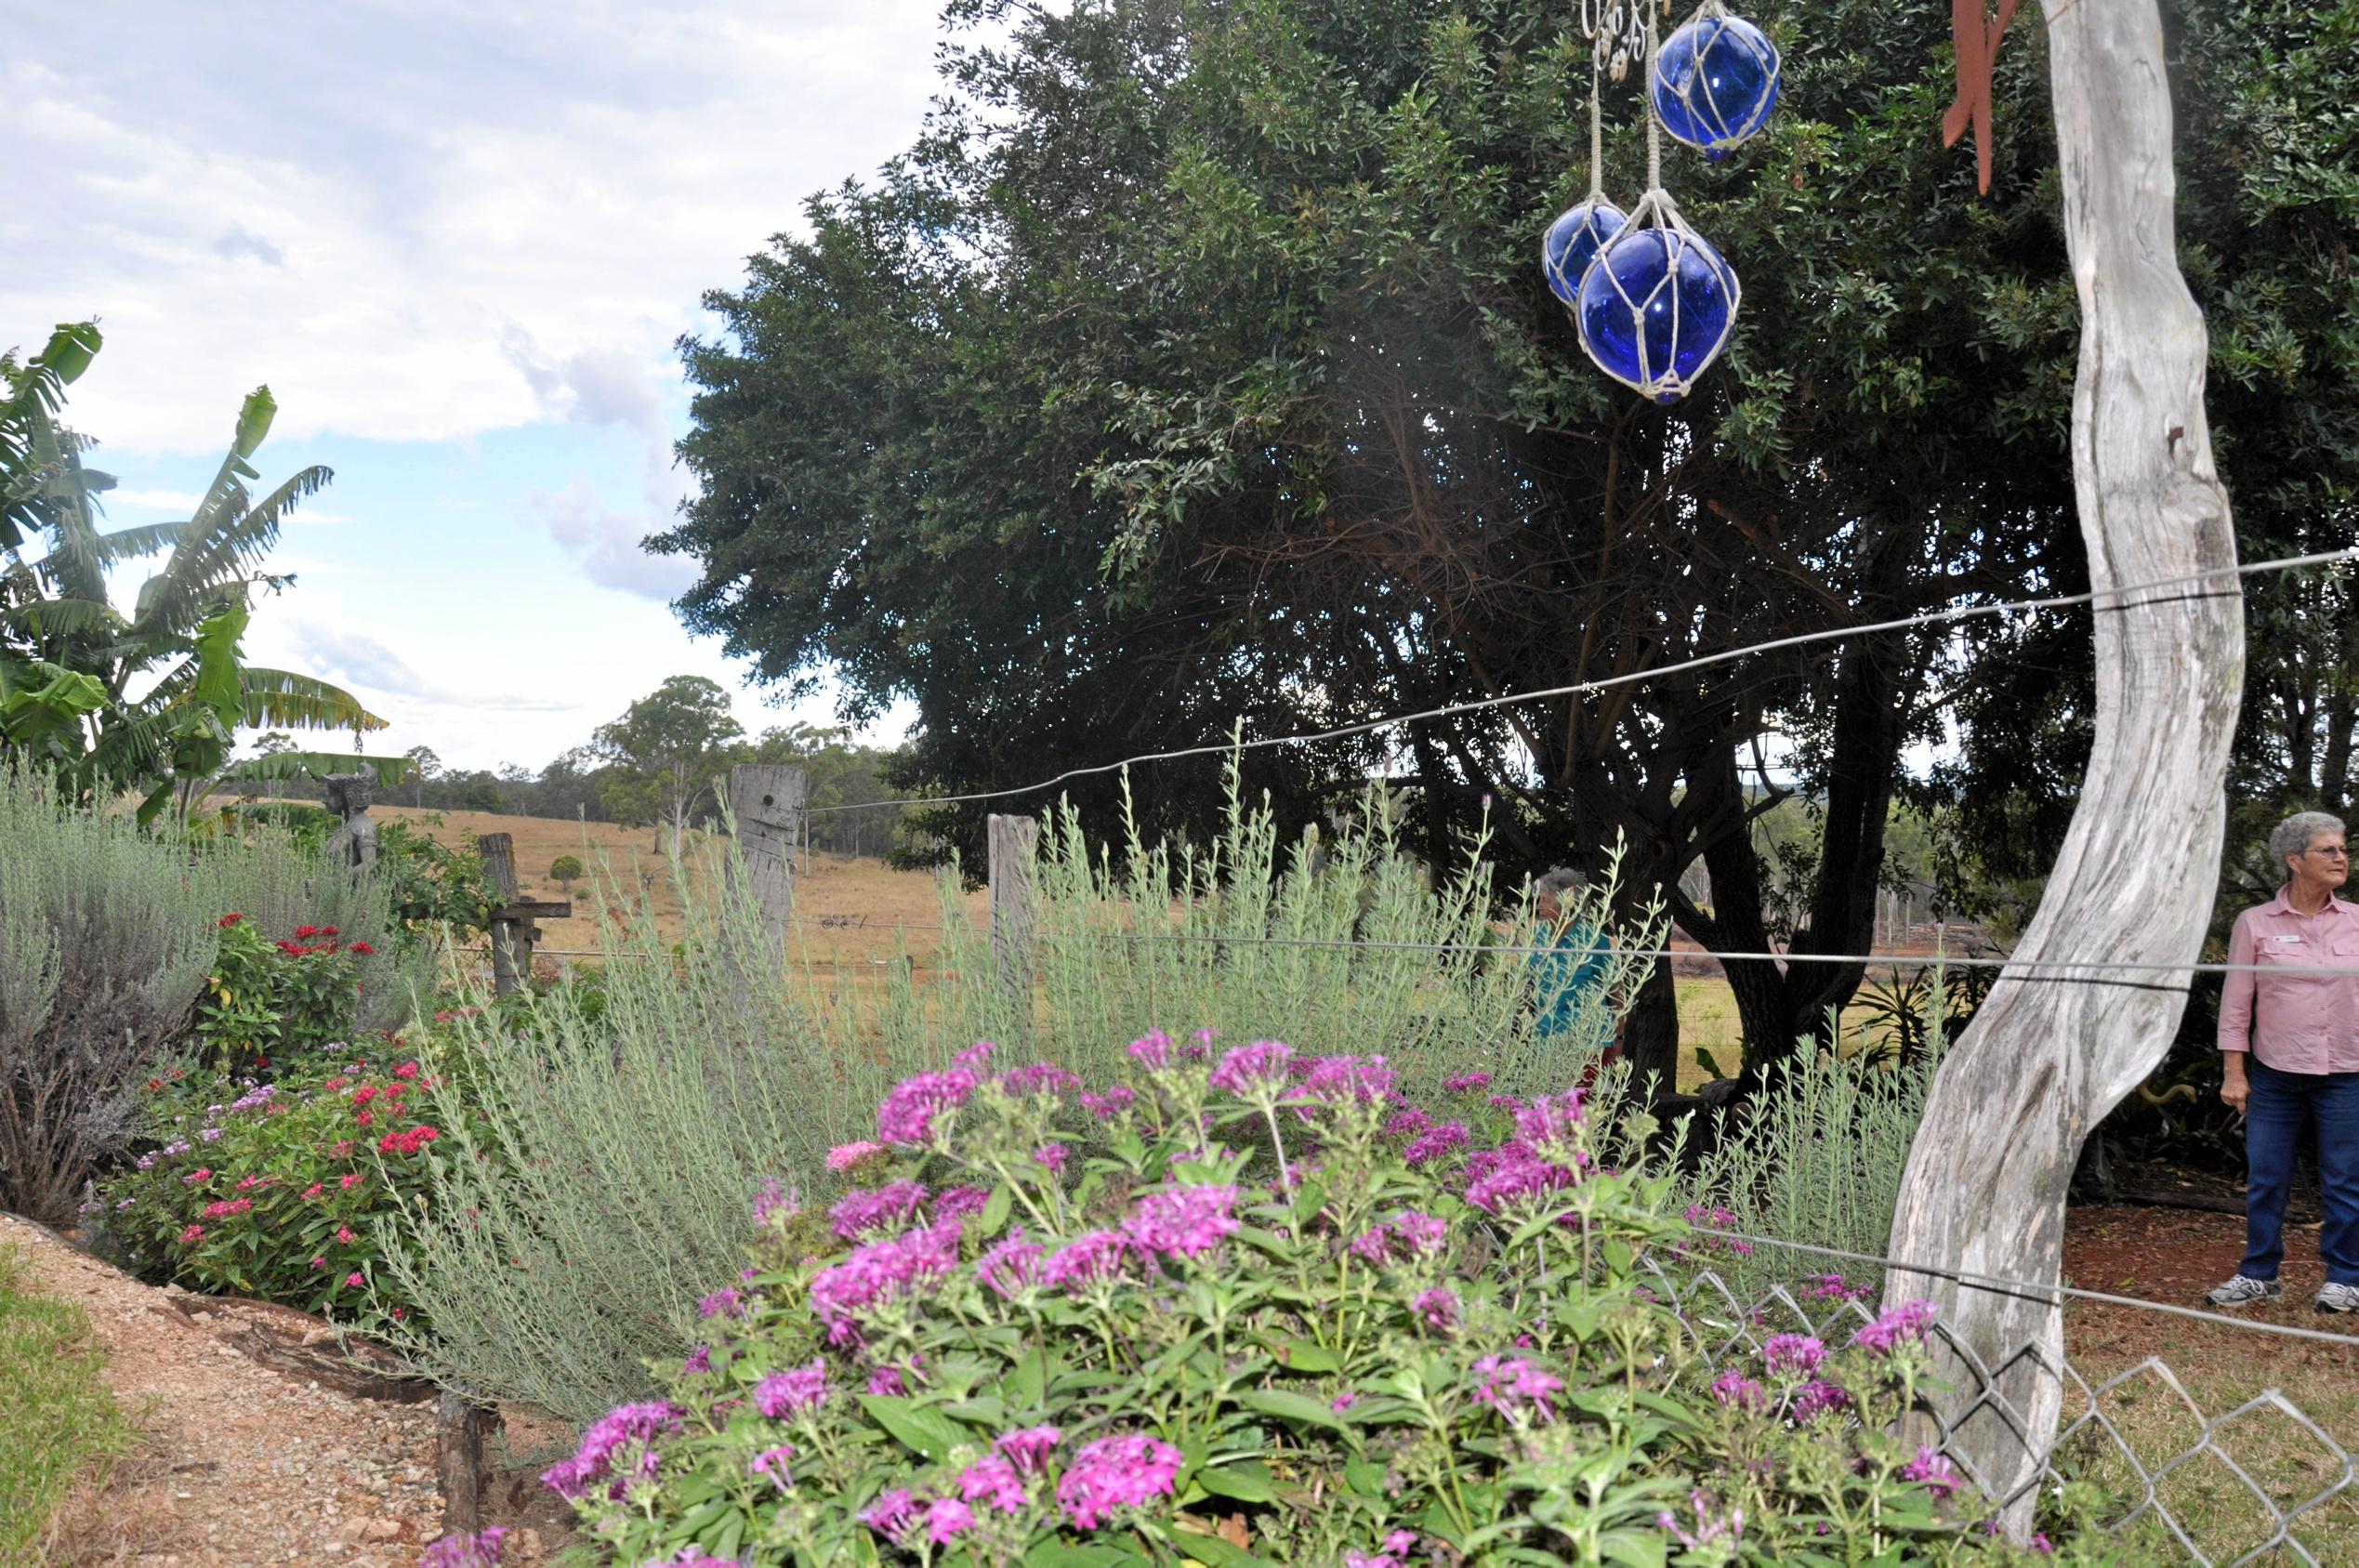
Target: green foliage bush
x,y
266,999
1253,1312
565,870
105,935
289,1189
627,1115
431,884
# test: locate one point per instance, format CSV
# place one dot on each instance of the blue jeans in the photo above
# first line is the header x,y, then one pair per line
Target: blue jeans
x,y
2282,1104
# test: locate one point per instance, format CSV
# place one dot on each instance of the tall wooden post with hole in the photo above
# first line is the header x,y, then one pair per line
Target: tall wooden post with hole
x,y
514,935
1013,844
767,799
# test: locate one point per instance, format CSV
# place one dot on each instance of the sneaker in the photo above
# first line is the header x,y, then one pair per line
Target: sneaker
x,y
2338,1299
2243,1290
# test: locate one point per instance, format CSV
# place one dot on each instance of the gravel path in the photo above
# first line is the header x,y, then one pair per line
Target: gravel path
x,y
243,1464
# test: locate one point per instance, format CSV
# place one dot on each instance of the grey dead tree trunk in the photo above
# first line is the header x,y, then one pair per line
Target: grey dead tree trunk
x,y
2044,1060
1013,847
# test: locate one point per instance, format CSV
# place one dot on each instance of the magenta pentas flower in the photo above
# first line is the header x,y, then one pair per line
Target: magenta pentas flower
x,y
771,1463
891,1514
1831,1288
945,1517
1793,1355
881,1272
1373,1245
1052,1158
1933,1470
1087,1259
699,1360
1722,1532
975,1057
1152,1051
1736,1390
776,1200
593,1461
907,1115
1012,1267
1438,1308
1468,1082
1340,1080
1434,1144
888,1208
793,1391
1508,1181
478,1551
727,1303
1817,1398
1898,1326
1107,1106
1041,1077
1409,1122
1551,1120
1184,1221
952,1203
1511,1385
1115,1472
1395,1553
1256,1069
995,1483
1028,1447
886,1380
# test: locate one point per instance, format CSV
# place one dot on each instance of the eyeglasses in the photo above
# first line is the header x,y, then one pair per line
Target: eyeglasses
x,y
2332,852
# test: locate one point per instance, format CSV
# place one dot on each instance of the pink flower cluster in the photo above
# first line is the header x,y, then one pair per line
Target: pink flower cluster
x,y
1152,1051
1499,1177
1041,1077
1248,1070
1115,1472
1183,1222
1511,1385
843,1156
1107,1106
1012,1266
1406,1234
1434,1144
1468,1082
1087,1259
880,1271
995,1481
1340,1080
1732,1388
593,1461
1552,1121
1933,1470
1903,1325
889,1207
1794,1355
1397,1547
906,1115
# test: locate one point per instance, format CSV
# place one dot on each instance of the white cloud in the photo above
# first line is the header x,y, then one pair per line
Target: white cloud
x,y
419,178
182,502
606,542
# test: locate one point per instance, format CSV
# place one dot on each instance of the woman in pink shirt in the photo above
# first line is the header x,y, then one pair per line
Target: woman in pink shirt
x,y
2289,1055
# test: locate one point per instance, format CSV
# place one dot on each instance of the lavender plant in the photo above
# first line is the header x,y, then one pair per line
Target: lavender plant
x,y
1245,1304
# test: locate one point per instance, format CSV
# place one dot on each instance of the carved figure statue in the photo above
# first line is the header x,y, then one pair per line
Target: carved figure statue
x,y
348,796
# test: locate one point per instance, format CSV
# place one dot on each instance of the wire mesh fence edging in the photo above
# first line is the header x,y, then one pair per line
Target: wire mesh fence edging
x,y
1725,1324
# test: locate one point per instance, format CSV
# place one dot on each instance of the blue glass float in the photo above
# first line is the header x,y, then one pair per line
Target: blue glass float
x,y
1573,242
1656,308
1714,81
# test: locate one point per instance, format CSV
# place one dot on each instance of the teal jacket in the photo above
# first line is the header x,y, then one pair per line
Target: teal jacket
x,y
1565,980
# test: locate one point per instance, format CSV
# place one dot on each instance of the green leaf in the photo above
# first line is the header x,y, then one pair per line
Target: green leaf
x,y
922,1428
1210,1550
1301,1355
1289,1407
1056,1553
1029,1382
1247,1480
253,421
1638,1548
994,1214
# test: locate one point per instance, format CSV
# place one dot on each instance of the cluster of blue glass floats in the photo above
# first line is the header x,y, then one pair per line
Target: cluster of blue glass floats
x,y
1654,301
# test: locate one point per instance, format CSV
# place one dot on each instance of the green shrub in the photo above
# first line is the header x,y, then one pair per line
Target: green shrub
x,y
430,885
268,998
564,870
56,1418
632,1111
1252,1312
105,935
290,1189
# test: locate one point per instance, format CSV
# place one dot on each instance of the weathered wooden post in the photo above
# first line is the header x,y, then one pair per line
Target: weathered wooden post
x,y
513,933
1014,843
2047,1057
767,800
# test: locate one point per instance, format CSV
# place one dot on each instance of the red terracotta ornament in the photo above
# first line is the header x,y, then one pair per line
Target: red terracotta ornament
x,y
1976,37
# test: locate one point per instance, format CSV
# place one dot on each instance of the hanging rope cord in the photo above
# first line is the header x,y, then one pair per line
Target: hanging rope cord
x,y
2198,580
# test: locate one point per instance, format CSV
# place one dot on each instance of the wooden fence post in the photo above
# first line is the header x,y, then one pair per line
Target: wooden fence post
x,y
767,799
1014,843
513,933
2049,1053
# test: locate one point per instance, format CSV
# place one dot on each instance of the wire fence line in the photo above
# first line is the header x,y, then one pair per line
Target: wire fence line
x,y
1657,672
2152,1471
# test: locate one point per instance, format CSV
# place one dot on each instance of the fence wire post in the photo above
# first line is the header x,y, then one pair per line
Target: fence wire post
x,y
1013,845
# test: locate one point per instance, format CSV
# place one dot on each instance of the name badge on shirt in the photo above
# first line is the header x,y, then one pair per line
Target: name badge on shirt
x,y
2295,940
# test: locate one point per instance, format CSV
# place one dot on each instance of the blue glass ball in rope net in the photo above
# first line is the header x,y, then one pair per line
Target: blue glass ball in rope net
x,y
1573,242
1655,309
1715,82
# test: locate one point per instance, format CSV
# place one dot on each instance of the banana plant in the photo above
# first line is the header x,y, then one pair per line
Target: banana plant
x,y
64,643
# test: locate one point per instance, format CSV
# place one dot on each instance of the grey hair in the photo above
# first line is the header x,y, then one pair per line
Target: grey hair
x,y
1557,883
2292,837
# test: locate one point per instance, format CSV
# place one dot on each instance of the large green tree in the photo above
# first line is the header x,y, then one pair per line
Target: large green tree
x,y
666,751
1197,370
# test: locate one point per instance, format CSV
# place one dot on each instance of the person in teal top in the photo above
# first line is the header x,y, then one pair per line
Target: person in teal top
x,y
1565,977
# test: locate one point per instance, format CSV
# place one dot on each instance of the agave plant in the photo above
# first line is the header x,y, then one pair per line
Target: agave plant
x,y
151,700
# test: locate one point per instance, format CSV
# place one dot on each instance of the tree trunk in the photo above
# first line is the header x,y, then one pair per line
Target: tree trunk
x,y
1651,1036
2045,1059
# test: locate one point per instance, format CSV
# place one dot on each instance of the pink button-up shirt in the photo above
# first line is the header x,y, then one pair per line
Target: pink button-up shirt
x,y
2294,1022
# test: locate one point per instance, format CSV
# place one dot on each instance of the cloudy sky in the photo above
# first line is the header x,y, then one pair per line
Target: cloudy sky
x,y
457,241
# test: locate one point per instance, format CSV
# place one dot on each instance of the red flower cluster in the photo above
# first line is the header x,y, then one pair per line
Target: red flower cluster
x,y
448,1015
406,1142
229,920
227,1207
